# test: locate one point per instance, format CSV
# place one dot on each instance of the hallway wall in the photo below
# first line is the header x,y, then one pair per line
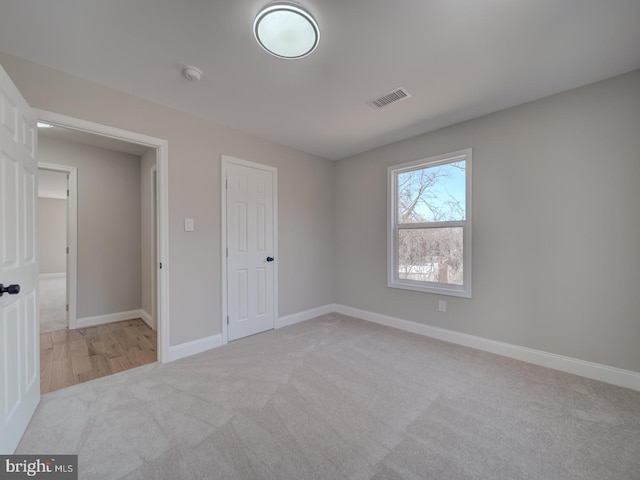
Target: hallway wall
x,y
109,276
52,235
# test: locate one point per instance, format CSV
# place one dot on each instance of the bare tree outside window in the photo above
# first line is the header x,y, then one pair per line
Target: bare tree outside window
x,y
431,255
433,194
430,195
430,217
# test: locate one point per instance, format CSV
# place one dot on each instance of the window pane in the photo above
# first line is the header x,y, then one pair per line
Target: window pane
x,y
432,194
431,255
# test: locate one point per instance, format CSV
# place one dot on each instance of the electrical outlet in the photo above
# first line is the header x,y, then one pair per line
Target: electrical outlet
x,y
442,305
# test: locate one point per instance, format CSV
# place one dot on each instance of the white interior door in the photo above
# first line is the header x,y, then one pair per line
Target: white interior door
x,y
251,250
19,329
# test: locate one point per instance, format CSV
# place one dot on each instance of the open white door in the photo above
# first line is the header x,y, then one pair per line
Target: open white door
x,y
251,272
19,328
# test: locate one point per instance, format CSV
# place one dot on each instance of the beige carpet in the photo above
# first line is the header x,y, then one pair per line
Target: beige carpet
x,y
53,304
340,398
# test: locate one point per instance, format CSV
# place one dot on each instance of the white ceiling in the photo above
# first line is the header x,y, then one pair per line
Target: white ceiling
x,y
458,58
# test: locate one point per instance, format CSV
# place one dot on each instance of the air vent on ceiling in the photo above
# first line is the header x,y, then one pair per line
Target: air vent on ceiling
x,y
389,98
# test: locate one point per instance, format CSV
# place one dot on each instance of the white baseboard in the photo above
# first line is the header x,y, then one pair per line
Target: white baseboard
x,y
595,371
146,318
193,347
303,316
52,275
109,318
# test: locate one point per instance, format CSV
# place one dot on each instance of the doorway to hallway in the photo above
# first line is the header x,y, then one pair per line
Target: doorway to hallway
x,y
57,239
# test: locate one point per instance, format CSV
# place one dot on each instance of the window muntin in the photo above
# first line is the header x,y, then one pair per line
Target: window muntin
x,y
430,225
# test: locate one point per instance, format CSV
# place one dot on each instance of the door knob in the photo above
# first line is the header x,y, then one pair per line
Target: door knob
x,y
269,259
11,289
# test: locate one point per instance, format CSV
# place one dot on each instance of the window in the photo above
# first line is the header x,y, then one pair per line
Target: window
x,y
430,225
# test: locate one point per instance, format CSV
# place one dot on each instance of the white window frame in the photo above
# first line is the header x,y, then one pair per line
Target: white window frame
x,y
393,279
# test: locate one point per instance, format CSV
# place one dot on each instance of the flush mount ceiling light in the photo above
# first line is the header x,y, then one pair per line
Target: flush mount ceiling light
x,y
286,30
44,125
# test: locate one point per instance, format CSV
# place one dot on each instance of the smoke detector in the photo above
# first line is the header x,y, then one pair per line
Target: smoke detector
x,y
192,73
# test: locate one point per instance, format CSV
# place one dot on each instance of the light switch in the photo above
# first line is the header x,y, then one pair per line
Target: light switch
x,y
189,226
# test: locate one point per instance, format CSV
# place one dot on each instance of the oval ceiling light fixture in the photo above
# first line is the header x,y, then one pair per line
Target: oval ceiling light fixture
x,y
44,125
286,30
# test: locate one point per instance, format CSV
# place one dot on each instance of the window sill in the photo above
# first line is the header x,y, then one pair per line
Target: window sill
x,y
450,290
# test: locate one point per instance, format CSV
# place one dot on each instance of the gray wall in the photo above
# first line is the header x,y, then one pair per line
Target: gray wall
x,y
108,224
52,235
556,193
147,161
556,264
305,221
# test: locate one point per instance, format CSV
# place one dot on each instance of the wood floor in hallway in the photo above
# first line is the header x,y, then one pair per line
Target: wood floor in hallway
x,y
68,357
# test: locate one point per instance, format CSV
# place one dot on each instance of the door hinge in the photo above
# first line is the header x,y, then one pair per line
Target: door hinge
x,y
227,183
160,265
227,319
67,307
67,192
227,252
67,250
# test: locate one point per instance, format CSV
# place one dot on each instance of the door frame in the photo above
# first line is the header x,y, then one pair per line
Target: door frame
x,y
161,147
226,160
154,245
72,237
